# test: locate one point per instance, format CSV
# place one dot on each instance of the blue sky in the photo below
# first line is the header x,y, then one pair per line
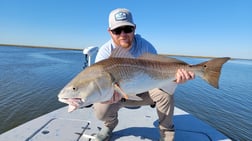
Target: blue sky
x,y
184,27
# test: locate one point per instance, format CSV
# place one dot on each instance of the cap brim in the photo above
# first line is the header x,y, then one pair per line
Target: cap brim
x,y
119,24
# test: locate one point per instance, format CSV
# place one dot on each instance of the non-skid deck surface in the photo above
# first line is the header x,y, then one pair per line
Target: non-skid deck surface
x,y
134,124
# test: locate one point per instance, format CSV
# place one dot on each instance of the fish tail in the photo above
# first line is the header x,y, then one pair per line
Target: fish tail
x,y
212,70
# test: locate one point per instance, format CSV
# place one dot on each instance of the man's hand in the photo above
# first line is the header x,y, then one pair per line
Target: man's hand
x,y
115,98
182,76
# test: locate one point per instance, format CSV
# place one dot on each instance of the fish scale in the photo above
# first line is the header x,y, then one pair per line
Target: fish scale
x,y
123,67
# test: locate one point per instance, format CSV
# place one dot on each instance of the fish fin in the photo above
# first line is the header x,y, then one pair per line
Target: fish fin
x,y
135,97
120,52
71,108
130,97
120,91
160,58
212,70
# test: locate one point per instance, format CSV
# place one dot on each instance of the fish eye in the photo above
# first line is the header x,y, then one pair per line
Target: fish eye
x,y
74,88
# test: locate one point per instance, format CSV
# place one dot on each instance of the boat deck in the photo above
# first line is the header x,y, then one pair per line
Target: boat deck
x,y
138,125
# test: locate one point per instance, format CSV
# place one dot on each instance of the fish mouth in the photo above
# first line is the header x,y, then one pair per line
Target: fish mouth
x,y
73,103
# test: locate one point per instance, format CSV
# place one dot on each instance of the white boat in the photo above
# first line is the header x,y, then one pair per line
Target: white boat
x,y
134,124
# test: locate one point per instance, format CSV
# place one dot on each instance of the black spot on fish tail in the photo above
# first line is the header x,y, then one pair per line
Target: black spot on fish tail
x,y
75,89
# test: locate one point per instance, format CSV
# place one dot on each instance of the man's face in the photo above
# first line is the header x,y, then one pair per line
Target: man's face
x,y
123,36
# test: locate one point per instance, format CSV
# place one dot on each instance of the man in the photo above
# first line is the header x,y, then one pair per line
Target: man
x,y
122,32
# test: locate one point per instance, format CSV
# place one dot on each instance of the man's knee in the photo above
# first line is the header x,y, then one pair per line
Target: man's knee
x,y
100,113
159,95
106,112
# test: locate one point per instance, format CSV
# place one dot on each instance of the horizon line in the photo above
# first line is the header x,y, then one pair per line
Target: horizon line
x,y
62,48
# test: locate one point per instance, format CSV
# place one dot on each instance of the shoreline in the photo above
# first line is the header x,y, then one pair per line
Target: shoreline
x,y
62,48
34,46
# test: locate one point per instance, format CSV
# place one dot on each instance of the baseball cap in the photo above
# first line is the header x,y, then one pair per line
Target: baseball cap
x,y
120,17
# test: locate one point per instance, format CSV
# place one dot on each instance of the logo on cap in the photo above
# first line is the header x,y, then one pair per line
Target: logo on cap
x,y
120,16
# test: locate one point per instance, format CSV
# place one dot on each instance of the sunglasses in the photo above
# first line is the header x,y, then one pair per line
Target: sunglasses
x,y
125,29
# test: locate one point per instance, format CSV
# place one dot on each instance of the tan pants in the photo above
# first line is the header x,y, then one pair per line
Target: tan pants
x,y
164,106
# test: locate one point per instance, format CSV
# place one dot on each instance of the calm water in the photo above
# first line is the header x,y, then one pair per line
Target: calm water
x,y
30,79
